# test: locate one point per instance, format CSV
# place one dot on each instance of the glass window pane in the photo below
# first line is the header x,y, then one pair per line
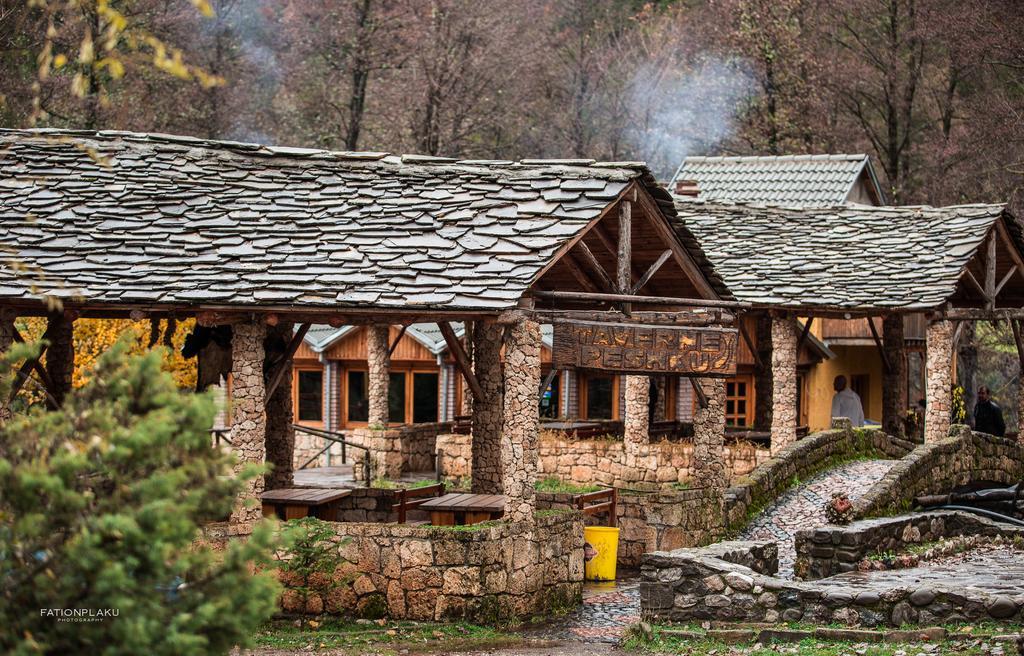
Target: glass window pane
x,y
424,398
358,398
396,398
549,402
599,397
310,394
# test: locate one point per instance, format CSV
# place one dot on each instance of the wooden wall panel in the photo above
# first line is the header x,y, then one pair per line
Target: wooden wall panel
x,y
353,347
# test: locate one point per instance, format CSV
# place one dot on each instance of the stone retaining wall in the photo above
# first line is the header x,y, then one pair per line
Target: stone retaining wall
x,y
484,573
419,444
725,584
653,522
831,550
602,461
399,449
938,467
803,459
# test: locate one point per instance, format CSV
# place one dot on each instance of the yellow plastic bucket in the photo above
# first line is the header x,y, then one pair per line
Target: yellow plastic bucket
x,y
600,552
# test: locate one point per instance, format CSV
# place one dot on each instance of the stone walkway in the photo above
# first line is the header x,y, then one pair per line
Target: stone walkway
x,y
802,506
607,610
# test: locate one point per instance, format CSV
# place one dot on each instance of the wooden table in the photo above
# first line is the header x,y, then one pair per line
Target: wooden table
x,y
457,509
296,503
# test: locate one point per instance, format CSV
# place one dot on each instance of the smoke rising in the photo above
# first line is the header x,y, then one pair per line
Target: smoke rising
x,y
686,111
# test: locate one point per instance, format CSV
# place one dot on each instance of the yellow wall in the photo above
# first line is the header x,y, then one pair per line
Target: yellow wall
x,y
849,361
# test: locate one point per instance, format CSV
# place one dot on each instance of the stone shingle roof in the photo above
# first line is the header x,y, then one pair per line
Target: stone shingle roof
x,y
793,180
167,220
848,257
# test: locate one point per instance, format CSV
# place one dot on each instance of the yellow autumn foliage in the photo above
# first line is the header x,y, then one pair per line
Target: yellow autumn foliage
x,y
94,336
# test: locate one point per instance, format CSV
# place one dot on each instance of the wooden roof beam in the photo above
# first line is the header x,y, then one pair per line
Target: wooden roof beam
x,y
461,358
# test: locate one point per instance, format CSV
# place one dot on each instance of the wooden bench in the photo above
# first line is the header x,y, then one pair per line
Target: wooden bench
x,y
411,498
596,503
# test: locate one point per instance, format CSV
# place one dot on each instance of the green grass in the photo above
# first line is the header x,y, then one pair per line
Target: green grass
x,y
664,643
556,485
388,484
379,637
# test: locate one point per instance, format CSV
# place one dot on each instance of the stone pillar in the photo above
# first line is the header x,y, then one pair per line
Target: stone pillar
x,y
280,443
248,417
378,364
487,411
938,380
784,410
763,377
521,420
894,381
636,426
6,339
60,354
709,437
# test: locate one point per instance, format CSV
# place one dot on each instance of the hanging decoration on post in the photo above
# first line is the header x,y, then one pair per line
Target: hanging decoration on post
x,y
645,349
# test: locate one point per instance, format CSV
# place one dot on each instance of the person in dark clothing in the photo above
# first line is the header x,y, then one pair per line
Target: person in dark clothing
x,y
988,416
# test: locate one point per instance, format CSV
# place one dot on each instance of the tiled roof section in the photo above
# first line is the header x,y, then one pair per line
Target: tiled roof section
x,y
848,257
161,219
795,180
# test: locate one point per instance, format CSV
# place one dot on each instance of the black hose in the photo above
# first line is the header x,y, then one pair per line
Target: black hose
x,y
980,511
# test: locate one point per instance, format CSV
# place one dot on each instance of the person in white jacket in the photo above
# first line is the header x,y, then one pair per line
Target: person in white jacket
x,y
846,403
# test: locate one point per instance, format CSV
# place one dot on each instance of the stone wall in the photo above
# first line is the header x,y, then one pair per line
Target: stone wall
x,y
398,450
653,522
731,582
482,573
831,550
802,459
419,444
603,461
937,467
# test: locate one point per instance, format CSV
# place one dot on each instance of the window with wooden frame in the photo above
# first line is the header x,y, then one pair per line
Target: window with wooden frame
x,y
413,396
599,396
308,395
739,405
551,399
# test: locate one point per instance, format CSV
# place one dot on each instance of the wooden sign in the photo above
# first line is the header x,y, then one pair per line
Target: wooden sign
x,y
643,349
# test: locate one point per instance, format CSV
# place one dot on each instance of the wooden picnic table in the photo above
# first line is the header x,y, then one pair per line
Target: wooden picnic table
x,y
297,502
456,509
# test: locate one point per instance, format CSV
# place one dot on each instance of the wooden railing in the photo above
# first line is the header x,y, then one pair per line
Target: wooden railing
x,y
595,503
411,498
333,438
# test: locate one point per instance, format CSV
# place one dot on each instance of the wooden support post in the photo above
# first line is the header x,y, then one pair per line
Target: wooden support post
x,y
653,269
461,359
1015,324
702,398
1006,279
588,258
398,338
758,362
990,271
886,364
804,333
547,381
579,274
623,262
894,379
284,366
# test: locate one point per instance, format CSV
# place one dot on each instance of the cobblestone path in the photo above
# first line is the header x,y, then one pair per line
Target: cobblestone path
x,y
802,506
607,610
